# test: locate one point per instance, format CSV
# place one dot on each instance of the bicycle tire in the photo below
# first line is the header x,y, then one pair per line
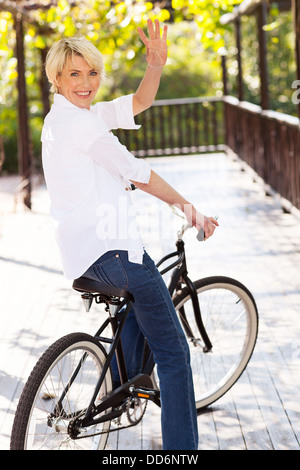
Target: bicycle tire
x,y
37,425
230,317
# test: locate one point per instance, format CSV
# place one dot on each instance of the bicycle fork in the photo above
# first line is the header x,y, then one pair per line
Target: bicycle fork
x,y
197,312
180,275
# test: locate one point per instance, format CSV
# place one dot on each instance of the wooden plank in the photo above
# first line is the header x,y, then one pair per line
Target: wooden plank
x,y
253,427
256,243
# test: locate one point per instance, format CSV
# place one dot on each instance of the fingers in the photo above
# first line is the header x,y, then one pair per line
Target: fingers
x,y
143,36
154,32
165,32
214,221
210,227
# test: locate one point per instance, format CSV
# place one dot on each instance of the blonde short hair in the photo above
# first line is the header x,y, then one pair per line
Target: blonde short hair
x,y
60,52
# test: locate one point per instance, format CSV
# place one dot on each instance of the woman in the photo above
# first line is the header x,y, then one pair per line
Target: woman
x,y
87,173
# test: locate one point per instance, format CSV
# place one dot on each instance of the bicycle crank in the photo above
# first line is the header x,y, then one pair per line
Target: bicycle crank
x,y
136,408
146,393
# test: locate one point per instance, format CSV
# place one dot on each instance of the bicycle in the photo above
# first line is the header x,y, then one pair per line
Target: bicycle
x,y
69,402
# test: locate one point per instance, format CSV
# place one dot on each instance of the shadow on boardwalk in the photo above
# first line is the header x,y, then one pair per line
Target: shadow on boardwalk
x,y
256,243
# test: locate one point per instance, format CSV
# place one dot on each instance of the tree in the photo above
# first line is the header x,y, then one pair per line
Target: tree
x,y
111,25
46,21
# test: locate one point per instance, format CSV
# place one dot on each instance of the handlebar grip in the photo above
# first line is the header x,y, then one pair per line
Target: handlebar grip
x,y
201,235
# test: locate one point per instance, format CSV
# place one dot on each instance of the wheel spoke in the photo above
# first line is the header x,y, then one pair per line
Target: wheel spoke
x,y
58,391
230,318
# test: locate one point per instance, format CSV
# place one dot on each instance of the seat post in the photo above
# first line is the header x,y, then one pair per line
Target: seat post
x,y
87,300
113,308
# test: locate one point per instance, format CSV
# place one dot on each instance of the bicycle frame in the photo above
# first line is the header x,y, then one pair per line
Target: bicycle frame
x,y
117,320
179,276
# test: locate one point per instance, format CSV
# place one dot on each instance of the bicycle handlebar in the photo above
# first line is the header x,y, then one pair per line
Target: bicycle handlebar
x,y
184,228
200,235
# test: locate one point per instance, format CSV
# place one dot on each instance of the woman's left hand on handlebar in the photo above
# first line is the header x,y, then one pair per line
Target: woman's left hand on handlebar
x,y
210,224
200,221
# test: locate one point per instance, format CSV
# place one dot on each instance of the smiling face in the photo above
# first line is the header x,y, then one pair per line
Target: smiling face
x,y
78,82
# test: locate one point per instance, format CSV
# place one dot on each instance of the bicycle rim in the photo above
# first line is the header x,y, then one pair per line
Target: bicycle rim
x,y
230,318
42,420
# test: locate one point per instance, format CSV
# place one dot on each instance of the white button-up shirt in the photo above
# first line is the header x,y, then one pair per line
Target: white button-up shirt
x,y
87,171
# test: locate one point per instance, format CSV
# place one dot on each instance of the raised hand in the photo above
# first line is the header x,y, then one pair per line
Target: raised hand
x,y
156,45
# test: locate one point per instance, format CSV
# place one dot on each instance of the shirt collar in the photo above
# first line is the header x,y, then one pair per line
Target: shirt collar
x,y
61,101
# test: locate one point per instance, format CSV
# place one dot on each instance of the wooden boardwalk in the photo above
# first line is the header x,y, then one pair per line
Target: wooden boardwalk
x,y
256,243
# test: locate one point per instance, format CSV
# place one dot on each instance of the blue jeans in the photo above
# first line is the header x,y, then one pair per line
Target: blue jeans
x,y
153,316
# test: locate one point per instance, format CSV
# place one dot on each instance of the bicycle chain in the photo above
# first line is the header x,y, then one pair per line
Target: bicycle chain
x,y
102,432
137,403
74,432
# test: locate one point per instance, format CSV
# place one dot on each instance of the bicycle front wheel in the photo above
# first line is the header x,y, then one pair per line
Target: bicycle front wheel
x,y
59,389
230,318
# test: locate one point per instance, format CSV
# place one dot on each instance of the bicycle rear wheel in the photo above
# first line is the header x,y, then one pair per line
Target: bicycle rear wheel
x,y
59,389
230,317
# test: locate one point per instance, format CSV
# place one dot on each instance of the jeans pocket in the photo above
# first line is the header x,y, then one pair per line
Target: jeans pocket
x,y
112,272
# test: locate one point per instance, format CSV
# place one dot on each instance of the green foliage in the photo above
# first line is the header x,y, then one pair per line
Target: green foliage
x,y
112,26
195,40
206,14
8,131
190,69
280,60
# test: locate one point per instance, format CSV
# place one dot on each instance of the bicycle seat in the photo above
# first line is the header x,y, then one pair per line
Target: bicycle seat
x,y
84,284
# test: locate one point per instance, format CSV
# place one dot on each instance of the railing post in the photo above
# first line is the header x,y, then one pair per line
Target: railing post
x,y
225,93
266,156
224,74
237,24
23,136
296,13
263,65
177,126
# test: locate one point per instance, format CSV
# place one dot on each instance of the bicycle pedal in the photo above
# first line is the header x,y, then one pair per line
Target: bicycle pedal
x,y
144,393
120,394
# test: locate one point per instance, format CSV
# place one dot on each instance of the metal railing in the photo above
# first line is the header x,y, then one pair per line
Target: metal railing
x,y
177,126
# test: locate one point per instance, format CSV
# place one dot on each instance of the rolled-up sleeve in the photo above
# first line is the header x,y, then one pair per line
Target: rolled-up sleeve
x,y
124,112
92,137
117,114
109,153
